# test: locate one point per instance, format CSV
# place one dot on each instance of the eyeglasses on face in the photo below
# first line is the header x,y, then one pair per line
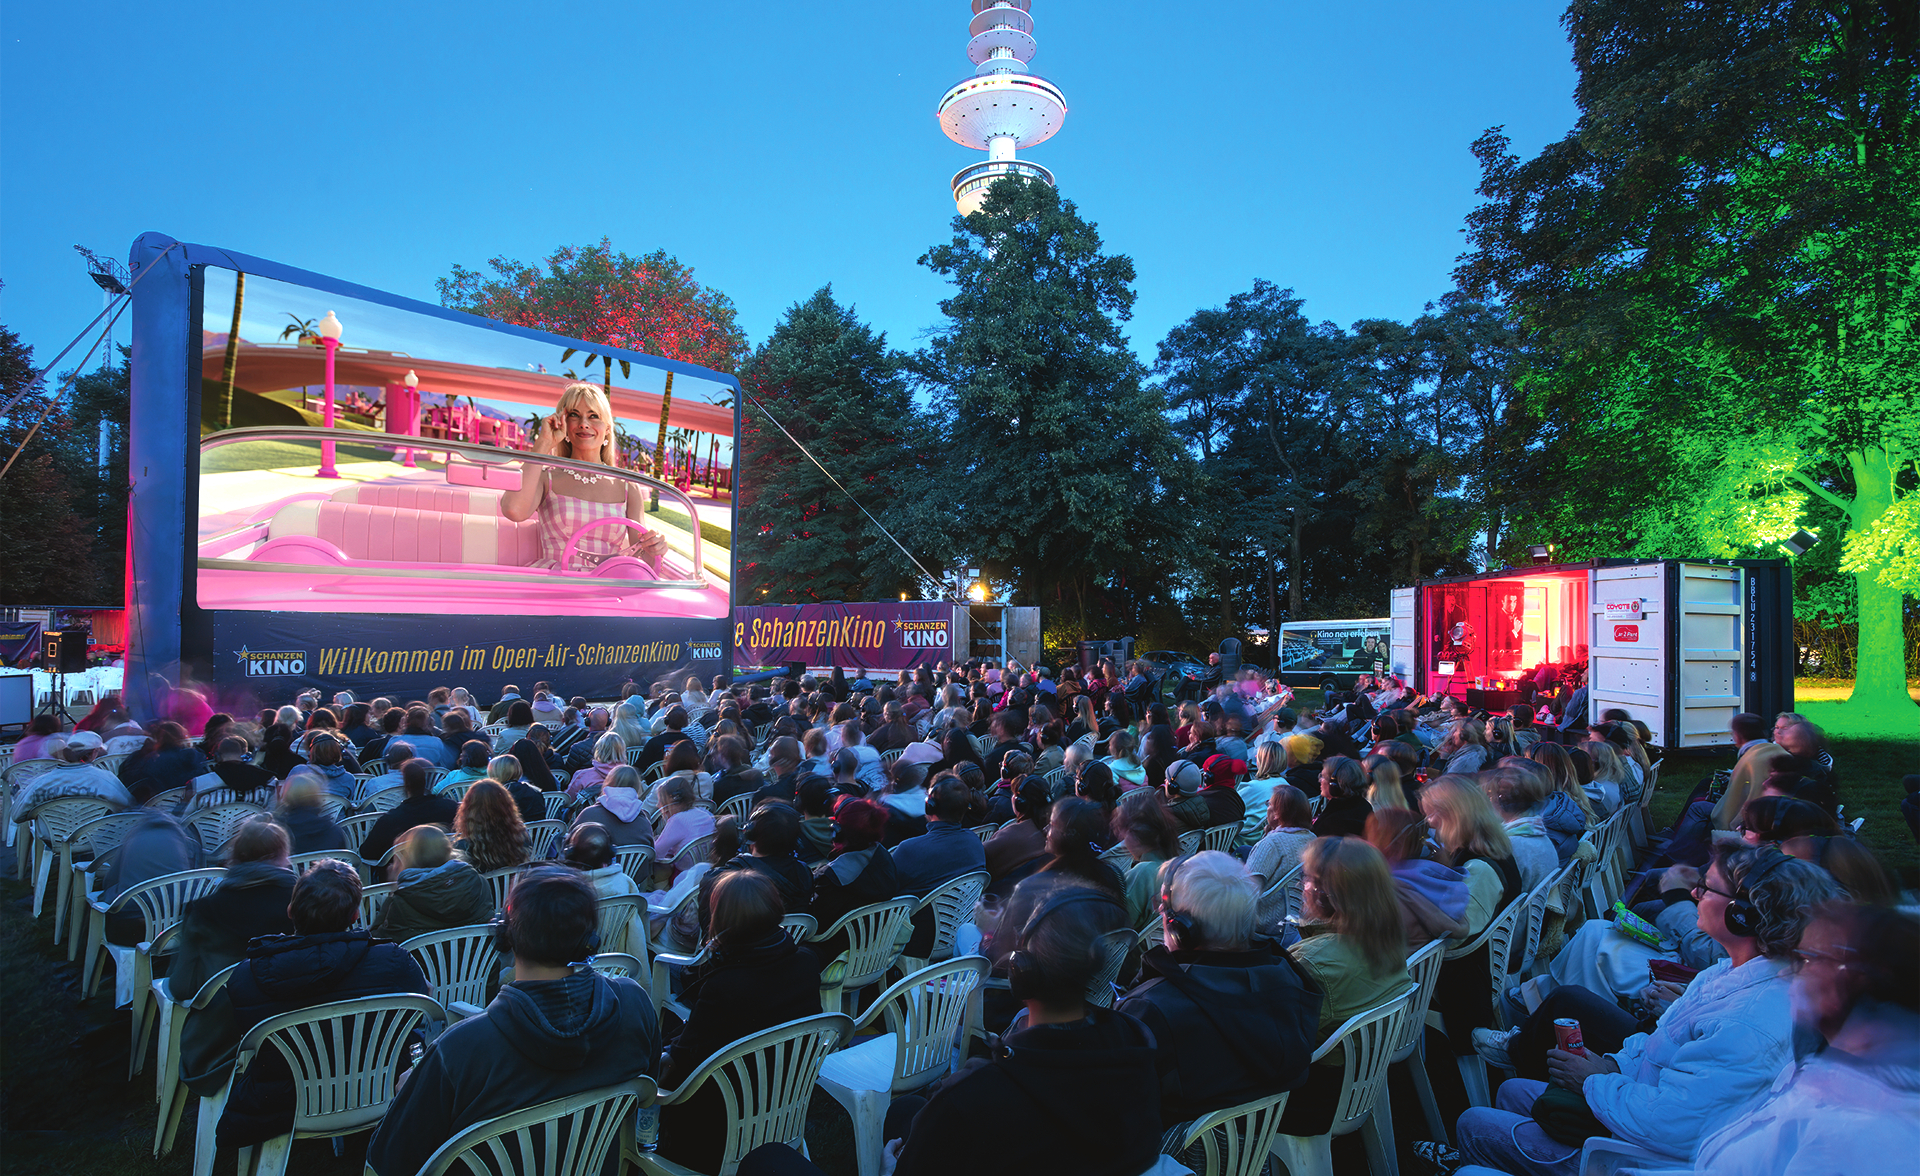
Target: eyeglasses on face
x,y
1702,890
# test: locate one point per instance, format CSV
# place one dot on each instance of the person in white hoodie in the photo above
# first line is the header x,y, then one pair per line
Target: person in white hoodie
x,y
1714,1050
1850,1100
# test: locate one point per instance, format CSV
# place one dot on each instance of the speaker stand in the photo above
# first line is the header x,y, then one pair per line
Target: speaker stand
x,y
56,704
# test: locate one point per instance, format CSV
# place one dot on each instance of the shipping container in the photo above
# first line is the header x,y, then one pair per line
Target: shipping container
x,y
1680,645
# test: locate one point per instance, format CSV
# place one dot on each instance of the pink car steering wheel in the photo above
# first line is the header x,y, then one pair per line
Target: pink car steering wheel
x,y
573,541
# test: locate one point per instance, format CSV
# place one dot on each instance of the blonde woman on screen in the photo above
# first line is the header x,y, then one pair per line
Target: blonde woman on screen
x,y
565,500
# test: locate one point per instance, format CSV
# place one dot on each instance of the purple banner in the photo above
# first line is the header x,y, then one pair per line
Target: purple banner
x,y
864,636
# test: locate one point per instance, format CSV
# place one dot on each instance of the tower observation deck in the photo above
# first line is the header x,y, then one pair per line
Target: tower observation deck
x,y
1004,106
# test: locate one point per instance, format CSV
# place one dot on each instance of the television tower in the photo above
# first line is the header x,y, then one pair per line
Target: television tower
x,y
1003,106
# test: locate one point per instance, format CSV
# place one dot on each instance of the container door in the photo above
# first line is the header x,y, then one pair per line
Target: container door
x,y
1401,645
1627,645
1021,630
1709,652
962,634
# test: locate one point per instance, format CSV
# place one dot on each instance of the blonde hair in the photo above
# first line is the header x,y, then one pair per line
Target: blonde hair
x,y
1269,761
503,768
1464,818
1355,894
580,393
1607,764
628,725
624,776
1384,790
611,749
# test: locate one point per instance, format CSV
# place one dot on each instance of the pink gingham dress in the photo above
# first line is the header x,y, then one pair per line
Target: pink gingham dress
x,y
562,514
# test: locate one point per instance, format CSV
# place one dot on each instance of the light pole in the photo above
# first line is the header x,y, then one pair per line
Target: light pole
x,y
329,332
413,414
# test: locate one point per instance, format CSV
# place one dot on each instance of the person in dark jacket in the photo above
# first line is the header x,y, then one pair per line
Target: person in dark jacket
x,y
1064,1068
437,890
302,813
505,771
421,807
947,850
1234,1014
236,773
533,765
756,978
1343,790
860,873
770,835
655,749
168,761
250,901
320,963
559,1028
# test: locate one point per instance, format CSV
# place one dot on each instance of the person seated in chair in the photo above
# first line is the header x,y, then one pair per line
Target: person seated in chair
x,y
437,890
323,961
559,1028
1234,1014
421,807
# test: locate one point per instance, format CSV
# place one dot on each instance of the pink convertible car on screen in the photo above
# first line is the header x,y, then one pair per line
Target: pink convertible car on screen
x,y
407,529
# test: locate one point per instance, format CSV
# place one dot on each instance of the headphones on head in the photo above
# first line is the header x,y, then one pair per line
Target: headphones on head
x,y
1743,917
1179,922
502,936
1026,979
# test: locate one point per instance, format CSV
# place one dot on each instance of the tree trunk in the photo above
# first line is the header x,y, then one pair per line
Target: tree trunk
x,y
1293,569
224,413
1880,673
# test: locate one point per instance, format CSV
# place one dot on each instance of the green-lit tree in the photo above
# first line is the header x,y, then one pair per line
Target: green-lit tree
x,y
1718,273
829,379
1055,470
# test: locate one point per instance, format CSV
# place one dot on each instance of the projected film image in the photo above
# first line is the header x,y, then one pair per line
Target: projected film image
x,y
469,470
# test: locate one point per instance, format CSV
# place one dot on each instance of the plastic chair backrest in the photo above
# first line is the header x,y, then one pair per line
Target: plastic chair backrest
x,y
1118,857
18,774
500,882
1528,942
653,773
740,807
619,963
1235,1141
874,935
1367,1042
1114,946
985,832
571,1136
385,799
216,826
799,927
766,1081
1220,837
110,763
953,903
540,837
1190,840
923,1011
633,755
636,861
1424,966
692,854
161,901
456,792
556,803
343,1057
435,775
57,820
616,917
372,898
458,962
1501,935
356,828
104,833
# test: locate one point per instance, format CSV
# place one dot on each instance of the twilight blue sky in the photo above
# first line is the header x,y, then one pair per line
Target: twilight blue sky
x,y
772,146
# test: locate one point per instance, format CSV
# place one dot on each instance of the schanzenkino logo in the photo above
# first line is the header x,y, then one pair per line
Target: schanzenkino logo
x,y
700,651
272,663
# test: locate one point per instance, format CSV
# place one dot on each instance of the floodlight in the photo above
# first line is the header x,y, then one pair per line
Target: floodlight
x,y
1800,543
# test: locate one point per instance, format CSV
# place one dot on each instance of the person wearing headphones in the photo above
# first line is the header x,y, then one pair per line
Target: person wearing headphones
x,y
557,1029
1234,1013
1714,1048
1051,1099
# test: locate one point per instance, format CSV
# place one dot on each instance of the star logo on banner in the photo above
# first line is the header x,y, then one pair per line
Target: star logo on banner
x,y
241,654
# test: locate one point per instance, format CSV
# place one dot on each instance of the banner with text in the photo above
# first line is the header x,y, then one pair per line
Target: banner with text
x,y
863,636
271,656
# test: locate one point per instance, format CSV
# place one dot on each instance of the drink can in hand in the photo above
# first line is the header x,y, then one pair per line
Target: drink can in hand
x,y
1566,1032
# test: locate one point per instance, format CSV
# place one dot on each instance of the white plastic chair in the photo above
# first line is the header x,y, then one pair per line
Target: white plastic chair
x,y
356,828
373,896
953,903
1497,937
689,855
1606,1156
571,1136
924,1012
1236,1141
985,832
160,902
500,882
1118,857
765,1082
556,803
382,801
1114,946
1288,884
636,862
1527,942
456,792
739,807
1191,839
15,779
216,826
540,838
54,824
623,924
97,838
172,1021
1424,966
875,935
613,963
1220,837
1367,1043
343,1057
458,963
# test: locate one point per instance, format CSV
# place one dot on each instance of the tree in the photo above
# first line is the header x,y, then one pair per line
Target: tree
x,y
650,304
829,379
1051,450
1718,275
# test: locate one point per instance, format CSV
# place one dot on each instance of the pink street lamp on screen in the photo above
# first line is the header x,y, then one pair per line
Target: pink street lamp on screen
x,y
329,332
412,409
